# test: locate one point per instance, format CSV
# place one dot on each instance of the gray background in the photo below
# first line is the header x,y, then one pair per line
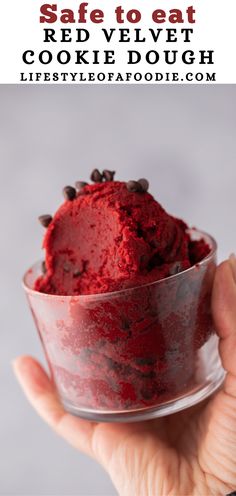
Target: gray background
x,y
181,138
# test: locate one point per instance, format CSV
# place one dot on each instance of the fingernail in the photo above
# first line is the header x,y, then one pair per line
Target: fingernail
x,y
232,261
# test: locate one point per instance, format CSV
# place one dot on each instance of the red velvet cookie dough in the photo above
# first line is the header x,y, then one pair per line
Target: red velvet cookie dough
x,y
108,237
128,349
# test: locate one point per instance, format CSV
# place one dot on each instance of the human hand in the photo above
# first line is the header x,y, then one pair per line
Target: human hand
x,y
189,453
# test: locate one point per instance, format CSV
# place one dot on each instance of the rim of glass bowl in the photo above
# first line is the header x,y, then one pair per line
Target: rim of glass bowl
x,y
208,238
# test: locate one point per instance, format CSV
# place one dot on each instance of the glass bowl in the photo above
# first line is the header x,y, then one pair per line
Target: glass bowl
x,y
134,354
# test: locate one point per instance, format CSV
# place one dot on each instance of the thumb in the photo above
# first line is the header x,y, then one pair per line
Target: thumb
x,y
224,314
217,447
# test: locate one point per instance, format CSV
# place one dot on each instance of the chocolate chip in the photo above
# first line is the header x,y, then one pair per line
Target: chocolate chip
x,y
69,193
145,361
108,175
125,324
112,364
80,185
154,243
43,268
144,183
153,312
148,375
77,273
134,187
147,394
175,268
45,220
96,176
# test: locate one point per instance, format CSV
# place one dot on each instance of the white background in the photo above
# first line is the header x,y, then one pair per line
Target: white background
x,y
214,29
181,138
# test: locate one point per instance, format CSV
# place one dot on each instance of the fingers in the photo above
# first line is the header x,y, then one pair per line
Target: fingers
x,y
43,397
224,313
224,298
97,440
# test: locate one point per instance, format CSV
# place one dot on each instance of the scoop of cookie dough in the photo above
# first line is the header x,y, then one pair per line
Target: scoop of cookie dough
x,y
112,236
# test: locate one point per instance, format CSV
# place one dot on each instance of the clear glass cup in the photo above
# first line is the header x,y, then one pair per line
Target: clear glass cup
x,y
133,354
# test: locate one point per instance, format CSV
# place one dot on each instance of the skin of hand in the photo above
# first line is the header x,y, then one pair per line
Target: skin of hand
x,y
185,454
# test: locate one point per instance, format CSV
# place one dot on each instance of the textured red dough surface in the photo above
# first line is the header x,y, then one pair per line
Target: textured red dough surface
x,y
109,239
128,349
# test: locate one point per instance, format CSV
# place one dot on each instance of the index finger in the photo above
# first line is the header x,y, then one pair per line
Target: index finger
x,y
42,395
